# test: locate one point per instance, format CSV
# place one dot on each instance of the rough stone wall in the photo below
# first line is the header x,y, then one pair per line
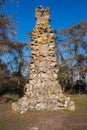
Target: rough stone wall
x,y
43,90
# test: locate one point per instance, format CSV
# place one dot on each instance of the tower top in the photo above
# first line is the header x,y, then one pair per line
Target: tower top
x,y
41,13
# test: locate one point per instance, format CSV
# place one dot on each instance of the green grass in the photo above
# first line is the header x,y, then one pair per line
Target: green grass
x,y
4,108
79,116
80,101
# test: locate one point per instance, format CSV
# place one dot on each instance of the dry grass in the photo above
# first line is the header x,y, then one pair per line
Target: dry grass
x,y
45,120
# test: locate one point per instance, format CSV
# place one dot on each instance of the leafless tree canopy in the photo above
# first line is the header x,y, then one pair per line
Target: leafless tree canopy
x,y
72,53
70,49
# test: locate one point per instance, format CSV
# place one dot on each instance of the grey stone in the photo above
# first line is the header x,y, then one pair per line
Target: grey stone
x,y
40,106
43,92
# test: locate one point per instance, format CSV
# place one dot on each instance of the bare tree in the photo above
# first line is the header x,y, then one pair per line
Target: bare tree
x,y
72,52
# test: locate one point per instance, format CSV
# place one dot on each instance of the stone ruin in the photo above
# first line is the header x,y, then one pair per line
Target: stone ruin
x,y
43,91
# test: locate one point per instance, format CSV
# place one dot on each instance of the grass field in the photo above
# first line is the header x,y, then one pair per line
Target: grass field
x,y
45,120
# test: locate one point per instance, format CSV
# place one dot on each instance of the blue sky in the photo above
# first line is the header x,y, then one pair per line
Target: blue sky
x,y
64,13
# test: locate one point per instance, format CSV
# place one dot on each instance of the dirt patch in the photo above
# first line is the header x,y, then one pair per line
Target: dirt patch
x,y
30,120
44,120
77,121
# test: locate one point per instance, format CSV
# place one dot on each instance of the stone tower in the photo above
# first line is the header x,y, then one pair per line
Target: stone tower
x,y
43,90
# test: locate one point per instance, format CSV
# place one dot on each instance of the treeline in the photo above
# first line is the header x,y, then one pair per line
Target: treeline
x,y
70,49
14,62
72,57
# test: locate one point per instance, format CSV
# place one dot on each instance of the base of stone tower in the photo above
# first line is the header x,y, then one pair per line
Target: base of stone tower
x,y
48,102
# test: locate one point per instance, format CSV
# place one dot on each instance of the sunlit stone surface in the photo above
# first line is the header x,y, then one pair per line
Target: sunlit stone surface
x,y
43,91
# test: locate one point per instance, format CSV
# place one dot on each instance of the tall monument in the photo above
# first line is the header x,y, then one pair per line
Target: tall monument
x,y
43,91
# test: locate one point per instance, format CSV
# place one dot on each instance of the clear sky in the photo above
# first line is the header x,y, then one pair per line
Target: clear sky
x,y
64,13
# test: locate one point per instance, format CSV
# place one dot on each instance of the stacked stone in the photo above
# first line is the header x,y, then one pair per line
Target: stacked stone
x,y
43,90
